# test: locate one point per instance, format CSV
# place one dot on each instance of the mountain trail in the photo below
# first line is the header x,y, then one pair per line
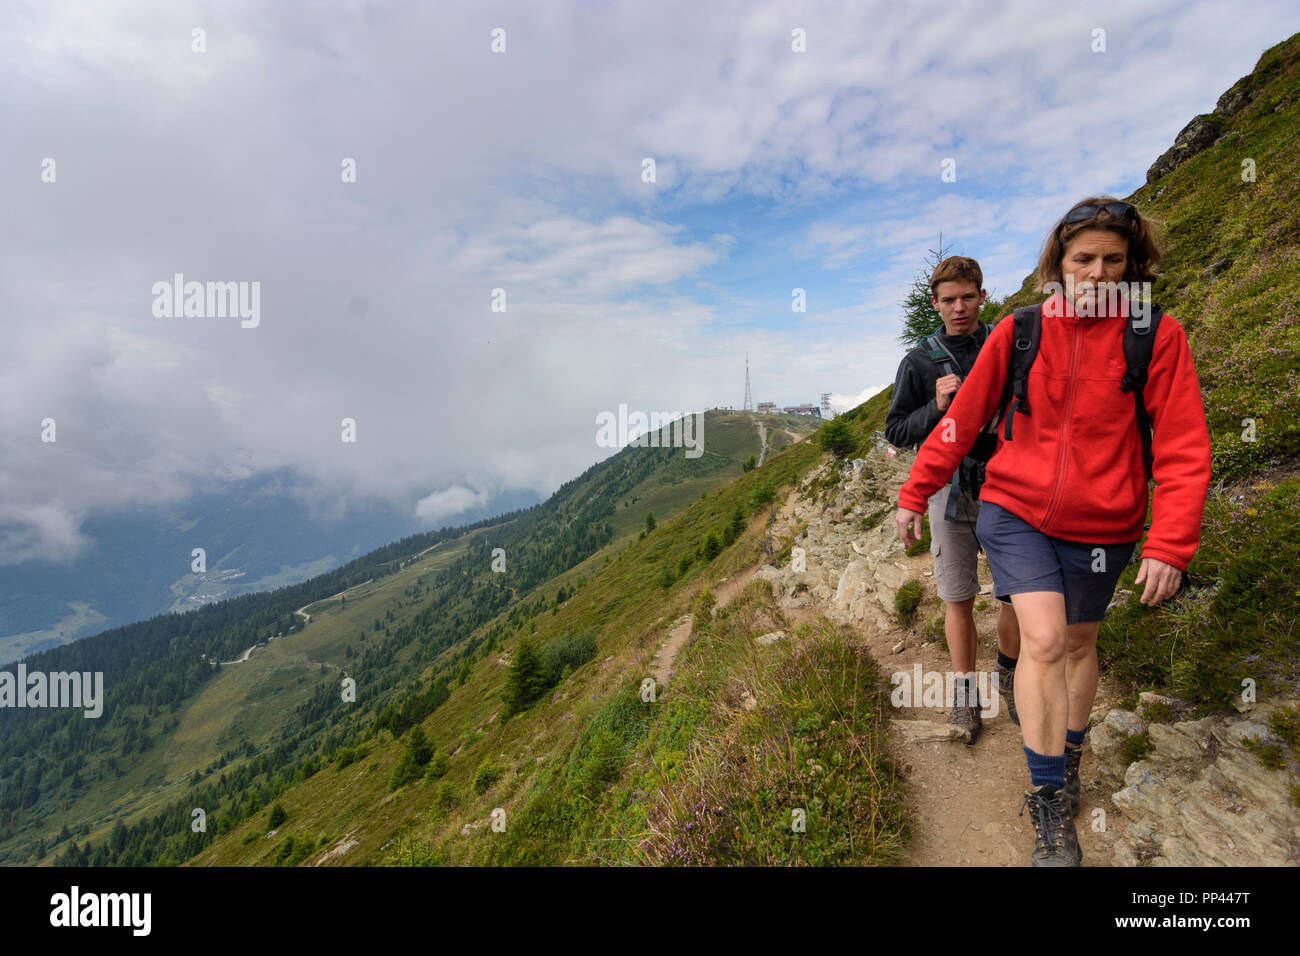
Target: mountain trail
x,y
666,656
963,800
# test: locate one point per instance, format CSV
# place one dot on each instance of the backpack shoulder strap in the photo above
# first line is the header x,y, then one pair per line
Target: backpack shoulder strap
x,y
937,354
1026,334
1139,344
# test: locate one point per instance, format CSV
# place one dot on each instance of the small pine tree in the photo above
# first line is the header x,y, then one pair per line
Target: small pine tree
x,y
750,463
836,438
710,547
418,745
649,522
738,521
404,771
278,816
438,766
526,680
920,317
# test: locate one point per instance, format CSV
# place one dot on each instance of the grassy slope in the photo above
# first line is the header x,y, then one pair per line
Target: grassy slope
x,y
247,702
551,772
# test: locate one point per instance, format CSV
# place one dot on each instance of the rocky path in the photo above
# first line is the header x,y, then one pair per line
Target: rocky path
x,y
1198,798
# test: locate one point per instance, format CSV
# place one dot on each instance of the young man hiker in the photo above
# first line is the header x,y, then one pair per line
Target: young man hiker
x,y
1105,398
928,378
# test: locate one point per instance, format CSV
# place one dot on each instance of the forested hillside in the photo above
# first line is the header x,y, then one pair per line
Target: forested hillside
x,y
62,774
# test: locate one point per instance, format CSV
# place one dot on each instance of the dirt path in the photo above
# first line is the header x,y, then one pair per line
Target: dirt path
x,y
306,618
242,658
666,656
963,800
762,434
724,593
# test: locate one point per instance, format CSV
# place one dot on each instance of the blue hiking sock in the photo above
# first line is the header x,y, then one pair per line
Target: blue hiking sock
x,y
1045,770
1074,737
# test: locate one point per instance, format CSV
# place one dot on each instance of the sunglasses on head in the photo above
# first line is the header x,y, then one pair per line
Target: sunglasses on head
x,y
1120,210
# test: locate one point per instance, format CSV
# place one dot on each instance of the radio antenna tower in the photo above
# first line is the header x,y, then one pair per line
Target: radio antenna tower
x,y
749,396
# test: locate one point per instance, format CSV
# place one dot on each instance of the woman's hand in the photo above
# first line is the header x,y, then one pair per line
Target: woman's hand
x,y
909,526
1162,580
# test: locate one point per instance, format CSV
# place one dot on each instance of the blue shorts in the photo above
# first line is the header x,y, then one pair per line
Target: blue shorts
x,y
1023,559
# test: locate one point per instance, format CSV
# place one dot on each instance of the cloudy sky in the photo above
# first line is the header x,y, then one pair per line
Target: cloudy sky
x,y
224,156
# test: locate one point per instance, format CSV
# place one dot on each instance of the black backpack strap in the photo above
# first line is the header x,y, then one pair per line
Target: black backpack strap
x,y
1026,334
1139,344
938,354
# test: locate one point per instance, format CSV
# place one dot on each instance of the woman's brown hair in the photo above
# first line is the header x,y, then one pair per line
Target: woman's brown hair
x,y
1144,235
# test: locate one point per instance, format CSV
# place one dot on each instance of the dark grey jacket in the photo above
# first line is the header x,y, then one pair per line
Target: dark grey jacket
x,y
912,411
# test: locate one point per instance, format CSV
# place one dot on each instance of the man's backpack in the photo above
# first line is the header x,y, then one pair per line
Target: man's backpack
x,y
970,473
1139,342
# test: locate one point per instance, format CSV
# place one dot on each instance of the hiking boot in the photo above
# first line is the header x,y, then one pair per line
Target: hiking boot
x,y
1056,842
968,721
1007,690
1071,789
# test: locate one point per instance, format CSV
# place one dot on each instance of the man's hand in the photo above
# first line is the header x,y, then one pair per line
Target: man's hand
x,y
1162,580
909,526
944,389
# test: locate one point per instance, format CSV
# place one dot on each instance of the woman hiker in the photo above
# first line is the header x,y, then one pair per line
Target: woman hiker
x,y
1065,496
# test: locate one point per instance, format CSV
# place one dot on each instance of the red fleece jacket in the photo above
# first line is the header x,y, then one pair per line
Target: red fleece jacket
x,y
1073,468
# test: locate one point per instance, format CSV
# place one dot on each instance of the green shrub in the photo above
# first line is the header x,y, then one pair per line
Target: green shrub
x,y
1137,746
569,651
1269,752
1159,713
1285,722
445,798
923,545
438,766
487,774
1235,622
907,600
762,495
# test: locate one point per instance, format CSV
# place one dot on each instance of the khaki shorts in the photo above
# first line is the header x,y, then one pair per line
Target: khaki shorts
x,y
954,547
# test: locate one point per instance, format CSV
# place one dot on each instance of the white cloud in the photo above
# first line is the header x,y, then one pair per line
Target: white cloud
x,y
440,505
520,171
843,403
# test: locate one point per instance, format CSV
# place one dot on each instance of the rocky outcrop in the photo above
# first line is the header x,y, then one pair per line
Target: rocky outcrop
x,y
1198,797
853,558
1205,130
1200,134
